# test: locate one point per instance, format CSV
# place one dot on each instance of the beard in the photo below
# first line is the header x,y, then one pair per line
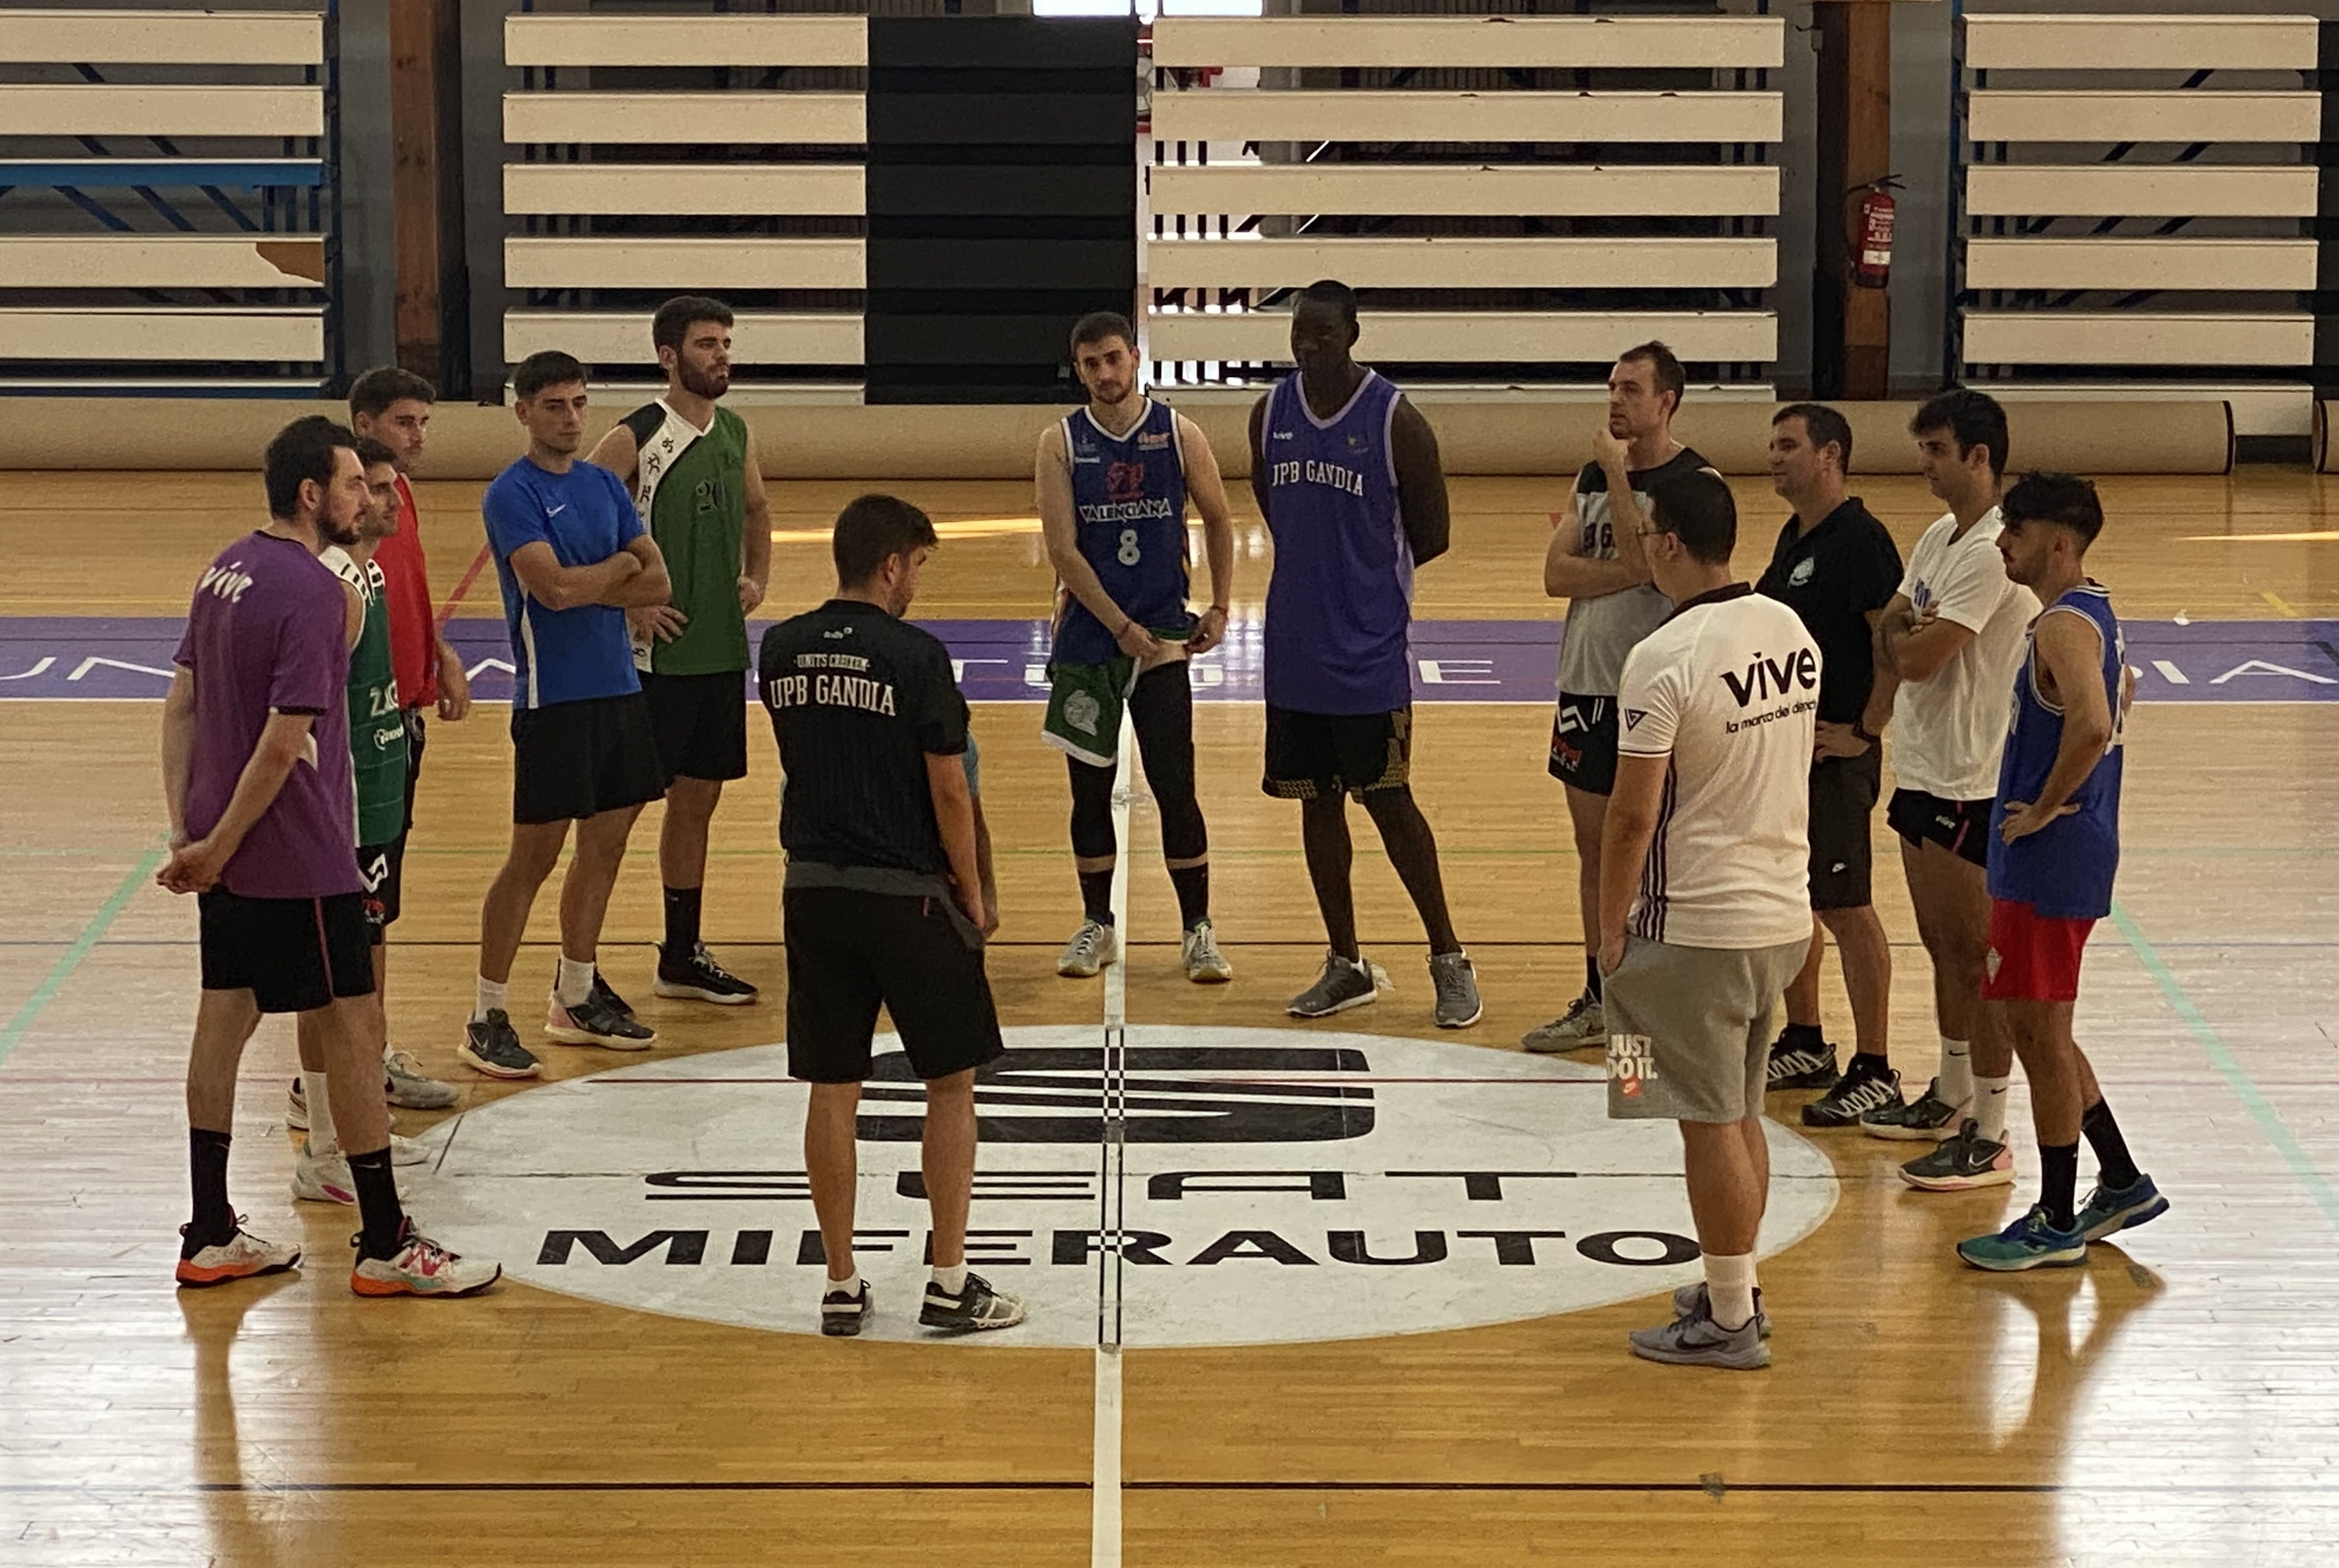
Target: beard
x,y
341,534
701,383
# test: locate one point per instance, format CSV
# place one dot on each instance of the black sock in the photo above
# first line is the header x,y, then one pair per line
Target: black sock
x,y
1096,897
1592,972
214,1221
2115,1167
1803,1037
2059,1164
1193,886
378,1213
1868,1061
681,922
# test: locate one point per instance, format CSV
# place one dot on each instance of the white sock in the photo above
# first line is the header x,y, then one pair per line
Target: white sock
x,y
1989,1107
491,999
1730,1287
323,1139
1957,1071
953,1281
850,1285
575,980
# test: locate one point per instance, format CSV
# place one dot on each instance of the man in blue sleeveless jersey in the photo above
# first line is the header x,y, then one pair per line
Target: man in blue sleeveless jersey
x,y
1348,474
1114,480
2054,848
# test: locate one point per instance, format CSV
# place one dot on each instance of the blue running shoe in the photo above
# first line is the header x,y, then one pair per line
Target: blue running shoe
x,y
2031,1242
2107,1212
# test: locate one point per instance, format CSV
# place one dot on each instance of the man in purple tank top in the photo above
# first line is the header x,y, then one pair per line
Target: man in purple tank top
x,y
256,776
1347,476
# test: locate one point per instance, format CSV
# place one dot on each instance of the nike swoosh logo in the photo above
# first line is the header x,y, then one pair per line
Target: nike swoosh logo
x,y
555,511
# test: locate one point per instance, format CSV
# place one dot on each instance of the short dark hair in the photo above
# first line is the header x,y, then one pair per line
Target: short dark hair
x,y
372,450
302,450
545,368
1823,425
676,318
1973,419
872,530
2058,498
1333,293
372,393
1099,325
1670,375
1697,509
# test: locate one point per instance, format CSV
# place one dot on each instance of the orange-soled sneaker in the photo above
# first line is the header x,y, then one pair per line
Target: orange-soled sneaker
x,y
241,1256
421,1267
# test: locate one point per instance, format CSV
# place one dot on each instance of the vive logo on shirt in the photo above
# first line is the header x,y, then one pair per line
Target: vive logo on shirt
x,y
227,582
1767,678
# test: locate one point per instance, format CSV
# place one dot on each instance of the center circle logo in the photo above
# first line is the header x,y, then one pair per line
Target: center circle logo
x,y
1270,1186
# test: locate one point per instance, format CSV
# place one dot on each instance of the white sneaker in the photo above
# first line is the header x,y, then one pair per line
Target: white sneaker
x,y
296,1108
241,1256
324,1178
407,1151
404,1083
1093,946
422,1267
1205,964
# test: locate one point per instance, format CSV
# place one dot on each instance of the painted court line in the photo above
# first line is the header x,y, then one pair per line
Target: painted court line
x,y
2237,1078
1104,1493
69,959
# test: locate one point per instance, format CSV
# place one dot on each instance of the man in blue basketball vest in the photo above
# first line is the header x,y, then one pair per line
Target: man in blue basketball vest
x,y
1114,480
2054,848
1346,472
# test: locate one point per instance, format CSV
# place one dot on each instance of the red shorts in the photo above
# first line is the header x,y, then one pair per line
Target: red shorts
x,y
2033,957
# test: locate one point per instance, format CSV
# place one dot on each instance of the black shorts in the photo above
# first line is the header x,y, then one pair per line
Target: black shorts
x,y
575,759
1843,797
700,723
1310,756
293,954
1959,826
383,865
1584,743
921,958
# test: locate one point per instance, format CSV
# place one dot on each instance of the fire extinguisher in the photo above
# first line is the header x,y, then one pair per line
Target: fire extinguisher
x,y
1871,257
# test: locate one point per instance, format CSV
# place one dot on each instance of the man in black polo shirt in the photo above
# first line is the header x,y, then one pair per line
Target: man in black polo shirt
x,y
884,903
1836,568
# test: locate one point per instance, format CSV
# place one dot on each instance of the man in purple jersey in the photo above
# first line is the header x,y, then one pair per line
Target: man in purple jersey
x,y
1348,475
256,775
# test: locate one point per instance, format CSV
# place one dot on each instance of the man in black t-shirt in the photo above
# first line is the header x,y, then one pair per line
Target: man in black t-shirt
x,y
884,903
1836,567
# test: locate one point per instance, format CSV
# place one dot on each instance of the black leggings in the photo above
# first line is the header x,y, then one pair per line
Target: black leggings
x,y
1161,709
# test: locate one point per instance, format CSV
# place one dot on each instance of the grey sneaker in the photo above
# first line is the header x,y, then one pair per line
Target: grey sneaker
x,y
1093,946
406,1085
1456,984
1205,964
1961,1163
1342,986
1695,1297
1695,1339
975,1307
492,1045
1582,1025
594,1022
1928,1118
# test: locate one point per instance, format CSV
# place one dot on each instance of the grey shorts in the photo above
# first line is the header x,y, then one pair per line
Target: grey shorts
x,y
1689,1027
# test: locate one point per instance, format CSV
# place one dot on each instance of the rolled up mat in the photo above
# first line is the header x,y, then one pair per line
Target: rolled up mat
x,y
2326,450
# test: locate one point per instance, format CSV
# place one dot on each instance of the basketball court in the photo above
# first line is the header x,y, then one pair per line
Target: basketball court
x,y
1372,1281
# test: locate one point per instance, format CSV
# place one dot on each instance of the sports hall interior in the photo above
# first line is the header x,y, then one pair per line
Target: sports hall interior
x,y
2113,217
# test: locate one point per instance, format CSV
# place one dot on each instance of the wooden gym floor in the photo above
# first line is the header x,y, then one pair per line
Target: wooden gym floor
x,y
2174,1401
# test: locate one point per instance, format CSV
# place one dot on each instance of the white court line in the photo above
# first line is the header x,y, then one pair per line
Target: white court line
x,y
1104,1486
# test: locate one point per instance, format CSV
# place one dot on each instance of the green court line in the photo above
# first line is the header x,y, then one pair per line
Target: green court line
x,y
69,959
2237,1078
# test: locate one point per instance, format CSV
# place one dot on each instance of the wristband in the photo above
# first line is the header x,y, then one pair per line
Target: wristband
x,y
1860,731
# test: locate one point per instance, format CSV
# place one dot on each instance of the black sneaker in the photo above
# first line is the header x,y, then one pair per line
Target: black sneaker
x,y
1800,1067
603,993
978,1306
842,1312
594,1022
492,1045
1860,1090
696,977
1928,1118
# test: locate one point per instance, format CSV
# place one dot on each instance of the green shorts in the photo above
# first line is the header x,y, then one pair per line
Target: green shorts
x,y
1085,703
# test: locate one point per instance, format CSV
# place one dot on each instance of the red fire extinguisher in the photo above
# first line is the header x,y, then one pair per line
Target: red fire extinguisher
x,y
1872,258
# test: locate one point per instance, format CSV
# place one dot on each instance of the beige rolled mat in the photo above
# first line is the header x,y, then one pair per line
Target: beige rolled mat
x,y
1478,433
2326,450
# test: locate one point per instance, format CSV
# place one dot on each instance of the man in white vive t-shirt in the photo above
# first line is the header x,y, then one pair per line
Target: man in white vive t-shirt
x,y
1705,909
1947,650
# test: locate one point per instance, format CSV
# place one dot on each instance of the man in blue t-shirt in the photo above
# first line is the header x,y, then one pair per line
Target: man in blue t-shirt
x,y
572,559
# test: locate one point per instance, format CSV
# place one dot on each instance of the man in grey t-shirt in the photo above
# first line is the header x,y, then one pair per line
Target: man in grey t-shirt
x,y
1596,562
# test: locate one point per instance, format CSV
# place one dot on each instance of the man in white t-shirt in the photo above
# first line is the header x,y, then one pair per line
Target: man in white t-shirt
x,y
1705,909
1947,650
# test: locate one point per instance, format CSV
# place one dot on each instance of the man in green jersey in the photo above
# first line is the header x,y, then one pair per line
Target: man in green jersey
x,y
700,489
379,759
